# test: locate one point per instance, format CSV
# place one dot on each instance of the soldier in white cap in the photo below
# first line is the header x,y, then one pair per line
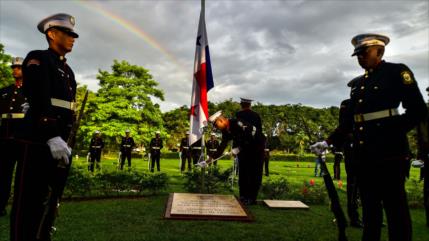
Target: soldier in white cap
x,y
50,86
127,145
379,130
247,114
155,147
186,153
95,148
249,147
11,119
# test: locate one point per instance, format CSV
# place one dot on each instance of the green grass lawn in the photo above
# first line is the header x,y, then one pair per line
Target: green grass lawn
x,y
142,218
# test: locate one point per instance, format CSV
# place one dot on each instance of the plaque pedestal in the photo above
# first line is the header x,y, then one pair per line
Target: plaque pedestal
x,y
206,207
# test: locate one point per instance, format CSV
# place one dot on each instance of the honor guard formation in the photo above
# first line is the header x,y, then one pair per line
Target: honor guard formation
x,y
38,123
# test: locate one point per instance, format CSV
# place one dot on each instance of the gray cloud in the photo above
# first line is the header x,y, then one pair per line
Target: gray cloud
x,y
276,52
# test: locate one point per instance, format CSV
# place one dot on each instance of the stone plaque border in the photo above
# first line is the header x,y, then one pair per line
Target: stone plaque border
x,y
167,215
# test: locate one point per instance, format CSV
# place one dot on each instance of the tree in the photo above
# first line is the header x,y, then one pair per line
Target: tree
x,y
124,102
176,123
6,77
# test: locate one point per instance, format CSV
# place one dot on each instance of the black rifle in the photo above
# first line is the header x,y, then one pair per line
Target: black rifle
x,y
340,218
57,185
335,203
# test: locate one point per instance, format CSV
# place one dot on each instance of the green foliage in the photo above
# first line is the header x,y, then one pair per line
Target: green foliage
x,y
311,193
275,188
124,101
214,180
305,157
79,182
176,122
415,193
6,78
82,183
279,188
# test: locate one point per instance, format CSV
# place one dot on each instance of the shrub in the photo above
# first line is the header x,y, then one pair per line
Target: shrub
x,y
81,183
279,188
215,181
275,188
415,193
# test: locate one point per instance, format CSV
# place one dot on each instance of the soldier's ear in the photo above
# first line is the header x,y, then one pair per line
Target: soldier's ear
x,y
380,52
50,34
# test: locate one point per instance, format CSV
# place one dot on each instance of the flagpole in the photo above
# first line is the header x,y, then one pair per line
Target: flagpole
x,y
203,169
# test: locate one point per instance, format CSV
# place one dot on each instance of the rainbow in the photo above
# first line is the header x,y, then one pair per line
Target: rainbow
x,y
94,6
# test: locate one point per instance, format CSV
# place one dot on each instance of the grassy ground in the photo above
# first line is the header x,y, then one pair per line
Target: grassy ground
x,y
141,219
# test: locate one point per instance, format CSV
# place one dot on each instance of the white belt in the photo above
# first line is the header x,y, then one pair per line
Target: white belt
x,y
212,149
155,148
127,145
12,116
376,115
196,148
96,146
266,149
185,147
70,105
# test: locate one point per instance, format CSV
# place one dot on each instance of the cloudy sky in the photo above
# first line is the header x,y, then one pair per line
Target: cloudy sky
x,y
276,52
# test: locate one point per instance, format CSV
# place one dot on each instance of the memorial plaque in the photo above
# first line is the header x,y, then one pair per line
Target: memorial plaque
x,y
205,206
286,204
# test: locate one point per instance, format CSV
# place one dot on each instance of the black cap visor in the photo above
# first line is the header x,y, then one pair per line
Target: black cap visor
x,y
66,30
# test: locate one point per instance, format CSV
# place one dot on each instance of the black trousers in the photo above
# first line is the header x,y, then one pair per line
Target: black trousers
x,y
125,154
10,151
249,173
155,159
39,185
94,159
382,185
196,156
337,167
186,157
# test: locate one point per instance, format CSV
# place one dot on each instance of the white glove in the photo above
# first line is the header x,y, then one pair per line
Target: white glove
x,y
25,107
59,149
201,164
209,160
417,163
235,151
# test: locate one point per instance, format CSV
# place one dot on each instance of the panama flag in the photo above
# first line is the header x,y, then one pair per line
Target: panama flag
x,y
202,83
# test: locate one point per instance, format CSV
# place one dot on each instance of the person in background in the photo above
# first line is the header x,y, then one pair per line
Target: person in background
x,y
12,101
211,146
95,148
127,145
185,153
155,147
338,156
266,157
